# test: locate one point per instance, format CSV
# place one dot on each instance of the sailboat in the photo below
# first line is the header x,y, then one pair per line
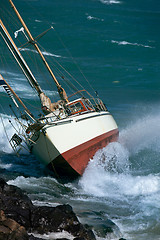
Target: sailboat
x,y
69,132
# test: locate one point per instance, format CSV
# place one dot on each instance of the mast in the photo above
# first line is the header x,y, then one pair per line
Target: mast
x,y
18,57
33,41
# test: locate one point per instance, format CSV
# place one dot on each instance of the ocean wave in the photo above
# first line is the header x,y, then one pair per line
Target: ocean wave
x,y
128,43
94,18
108,2
39,21
108,176
5,166
44,52
55,235
143,134
110,172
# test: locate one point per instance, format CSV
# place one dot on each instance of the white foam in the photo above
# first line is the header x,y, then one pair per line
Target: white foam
x,y
5,166
103,170
4,143
33,183
55,235
39,21
109,174
108,2
142,134
94,18
100,183
128,43
7,131
44,52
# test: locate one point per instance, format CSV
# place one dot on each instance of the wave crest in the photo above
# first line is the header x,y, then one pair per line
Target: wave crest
x,y
108,2
128,43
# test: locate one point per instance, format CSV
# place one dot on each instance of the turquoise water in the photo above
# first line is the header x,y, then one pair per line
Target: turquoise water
x,y
115,44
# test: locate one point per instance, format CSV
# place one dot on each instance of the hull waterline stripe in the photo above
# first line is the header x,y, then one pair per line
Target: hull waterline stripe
x,y
76,159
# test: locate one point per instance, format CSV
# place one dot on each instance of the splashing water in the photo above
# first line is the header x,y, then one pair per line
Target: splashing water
x,y
5,128
108,2
112,178
125,193
112,164
142,134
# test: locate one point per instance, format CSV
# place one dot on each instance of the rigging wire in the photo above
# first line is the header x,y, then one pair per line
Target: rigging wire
x,y
58,71
11,78
19,131
67,50
72,86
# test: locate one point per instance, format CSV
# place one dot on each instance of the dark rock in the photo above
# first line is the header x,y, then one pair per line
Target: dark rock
x,y
19,207
62,239
79,238
11,230
21,214
31,237
62,217
15,204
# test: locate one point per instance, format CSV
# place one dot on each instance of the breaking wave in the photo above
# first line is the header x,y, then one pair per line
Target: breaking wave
x,y
55,235
110,2
44,52
89,17
129,195
111,171
141,135
128,43
39,21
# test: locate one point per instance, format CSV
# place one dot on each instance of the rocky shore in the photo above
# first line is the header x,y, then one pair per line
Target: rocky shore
x,y
19,218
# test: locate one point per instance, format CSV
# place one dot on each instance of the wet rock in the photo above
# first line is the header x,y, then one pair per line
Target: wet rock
x,y
10,229
31,237
107,228
19,207
62,239
79,238
15,204
58,219
22,214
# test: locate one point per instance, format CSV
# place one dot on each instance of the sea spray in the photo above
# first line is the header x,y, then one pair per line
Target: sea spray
x,y
111,178
130,195
142,134
6,131
127,197
113,164
108,2
128,43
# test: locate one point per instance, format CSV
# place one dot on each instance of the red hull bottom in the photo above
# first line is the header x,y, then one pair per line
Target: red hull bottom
x,y
72,163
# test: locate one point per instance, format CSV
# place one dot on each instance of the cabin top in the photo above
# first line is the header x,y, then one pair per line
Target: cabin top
x,y
79,105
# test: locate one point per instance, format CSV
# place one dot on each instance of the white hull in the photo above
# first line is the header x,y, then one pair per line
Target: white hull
x,y
68,134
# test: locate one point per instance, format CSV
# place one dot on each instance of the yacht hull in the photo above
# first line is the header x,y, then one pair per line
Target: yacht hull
x,y
67,145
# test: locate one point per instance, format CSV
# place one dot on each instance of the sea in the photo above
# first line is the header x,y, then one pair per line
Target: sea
x,y
111,47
